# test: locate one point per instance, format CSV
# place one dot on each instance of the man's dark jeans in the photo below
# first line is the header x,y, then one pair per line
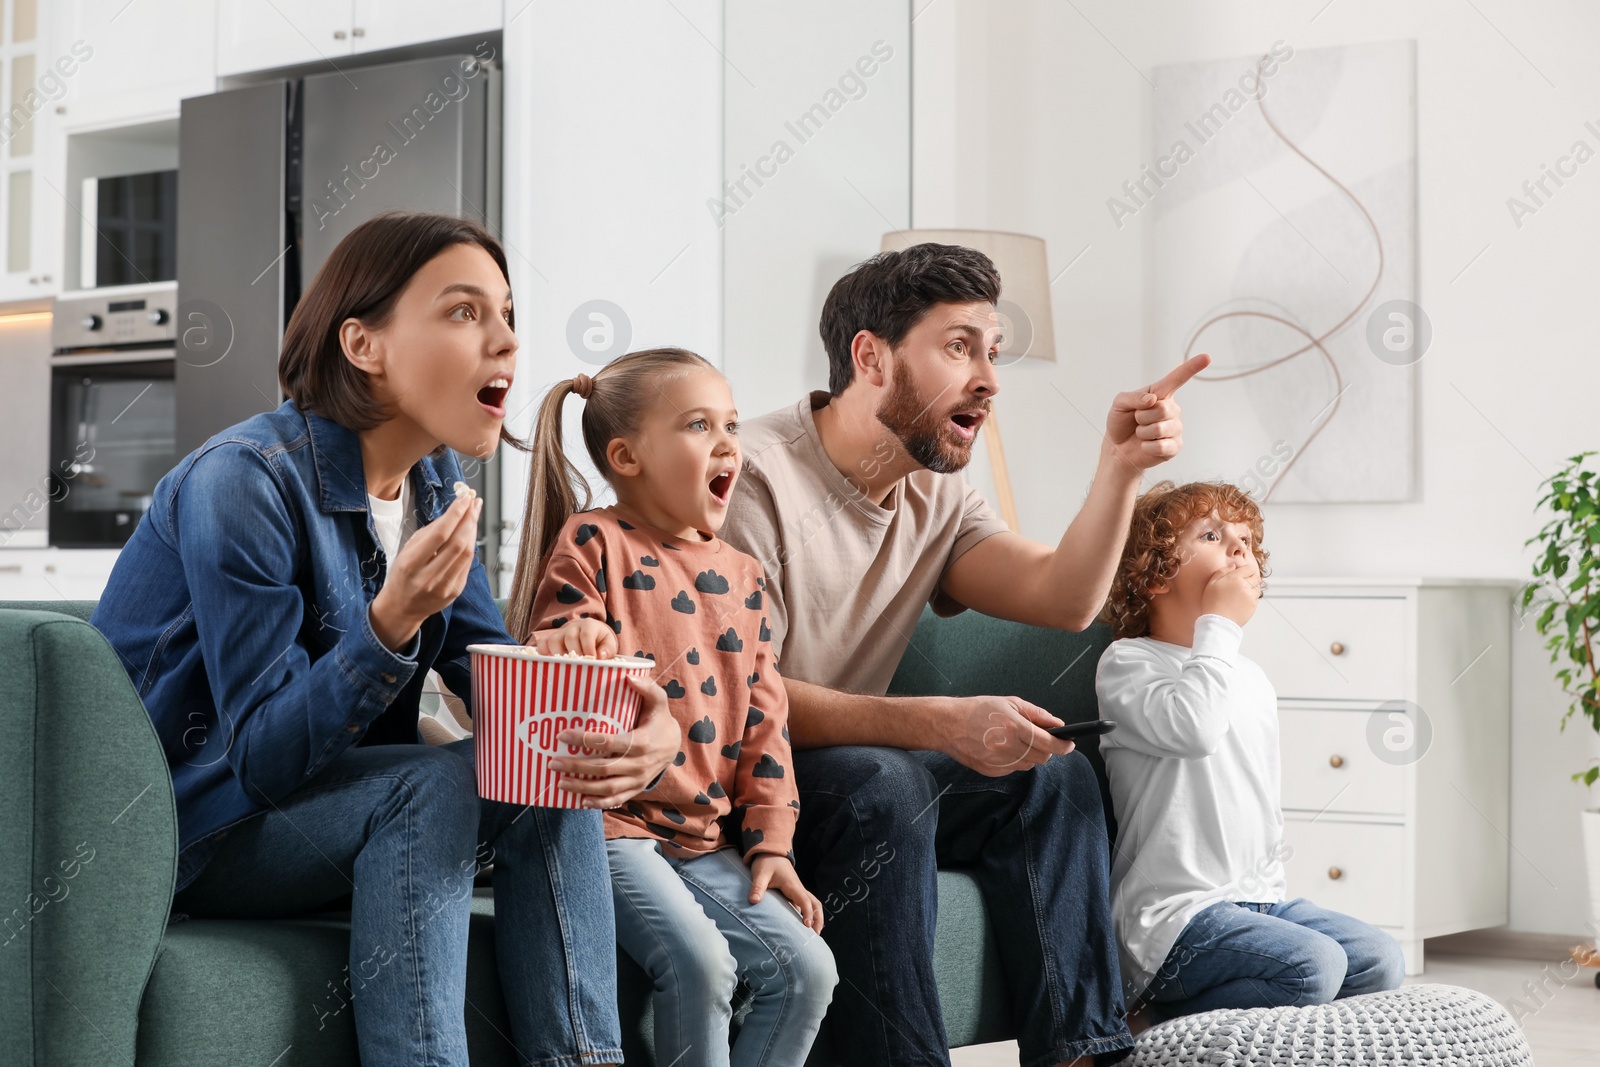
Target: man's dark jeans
x,y
877,823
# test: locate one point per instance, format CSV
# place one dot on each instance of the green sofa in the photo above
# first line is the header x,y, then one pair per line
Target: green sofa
x,y
91,972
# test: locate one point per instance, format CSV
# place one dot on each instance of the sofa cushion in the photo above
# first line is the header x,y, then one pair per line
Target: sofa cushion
x,y
966,964
248,991
279,986
78,609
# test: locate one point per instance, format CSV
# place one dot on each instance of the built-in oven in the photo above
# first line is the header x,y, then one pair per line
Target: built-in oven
x,y
112,411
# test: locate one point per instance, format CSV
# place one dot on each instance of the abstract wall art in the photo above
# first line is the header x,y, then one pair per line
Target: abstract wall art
x,y
1281,194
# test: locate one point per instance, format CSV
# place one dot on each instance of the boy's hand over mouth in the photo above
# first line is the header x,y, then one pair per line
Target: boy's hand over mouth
x,y
1233,593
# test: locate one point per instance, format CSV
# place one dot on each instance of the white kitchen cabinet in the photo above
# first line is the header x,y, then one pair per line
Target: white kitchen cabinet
x,y
52,574
143,57
265,34
100,65
379,24
24,579
30,85
1394,703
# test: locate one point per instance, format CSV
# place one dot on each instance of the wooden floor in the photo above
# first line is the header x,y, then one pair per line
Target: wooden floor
x,y
1562,1023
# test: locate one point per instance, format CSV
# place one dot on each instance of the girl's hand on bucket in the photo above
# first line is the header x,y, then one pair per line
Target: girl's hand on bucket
x,y
624,763
585,637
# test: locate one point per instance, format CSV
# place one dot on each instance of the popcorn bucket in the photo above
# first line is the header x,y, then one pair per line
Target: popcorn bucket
x,y
521,700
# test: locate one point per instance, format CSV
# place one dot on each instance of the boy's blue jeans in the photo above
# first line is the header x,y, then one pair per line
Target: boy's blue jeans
x,y
690,924
402,830
1234,955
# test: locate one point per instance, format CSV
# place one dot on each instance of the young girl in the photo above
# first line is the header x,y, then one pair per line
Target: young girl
x,y
649,577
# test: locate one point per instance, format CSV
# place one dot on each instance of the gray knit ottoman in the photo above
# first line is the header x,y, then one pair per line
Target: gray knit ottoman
x,y
1430,1025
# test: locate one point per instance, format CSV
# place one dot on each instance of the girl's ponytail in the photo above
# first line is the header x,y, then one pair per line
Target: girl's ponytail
x,y
553,485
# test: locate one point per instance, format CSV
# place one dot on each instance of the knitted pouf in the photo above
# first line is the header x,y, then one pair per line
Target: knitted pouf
x,y
1420,1024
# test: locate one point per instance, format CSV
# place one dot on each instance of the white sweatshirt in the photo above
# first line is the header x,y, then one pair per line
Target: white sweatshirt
x,y
1195,775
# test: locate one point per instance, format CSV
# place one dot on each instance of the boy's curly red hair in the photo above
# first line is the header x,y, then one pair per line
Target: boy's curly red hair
x,y
1150,555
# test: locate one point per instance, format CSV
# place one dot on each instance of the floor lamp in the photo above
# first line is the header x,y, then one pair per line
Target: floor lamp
x,y
1025,319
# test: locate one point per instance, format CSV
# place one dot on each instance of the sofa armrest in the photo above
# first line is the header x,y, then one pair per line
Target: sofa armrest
x,y
88,846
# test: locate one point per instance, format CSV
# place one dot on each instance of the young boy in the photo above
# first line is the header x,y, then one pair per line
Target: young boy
x,y
1197,880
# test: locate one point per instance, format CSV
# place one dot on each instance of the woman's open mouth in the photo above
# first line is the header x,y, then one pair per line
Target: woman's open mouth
x,y
492,397
967,423
721,486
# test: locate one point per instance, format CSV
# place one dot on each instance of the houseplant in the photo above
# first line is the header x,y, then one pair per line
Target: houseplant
x,y
1566,588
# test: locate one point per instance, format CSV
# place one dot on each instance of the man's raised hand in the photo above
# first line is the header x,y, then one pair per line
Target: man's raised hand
x,y
1145,427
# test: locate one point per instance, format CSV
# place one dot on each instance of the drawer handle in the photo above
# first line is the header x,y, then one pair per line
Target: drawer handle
x,y
1335,873
1336,648
1336,761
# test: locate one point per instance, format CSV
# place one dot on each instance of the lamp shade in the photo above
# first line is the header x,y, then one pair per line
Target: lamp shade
x,y
1024,305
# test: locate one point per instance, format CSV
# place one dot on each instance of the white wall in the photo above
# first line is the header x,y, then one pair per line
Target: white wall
x,y
1028,114
623,121
805,201
613,143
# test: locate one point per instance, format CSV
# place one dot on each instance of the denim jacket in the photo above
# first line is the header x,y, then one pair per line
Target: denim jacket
x,y
239,609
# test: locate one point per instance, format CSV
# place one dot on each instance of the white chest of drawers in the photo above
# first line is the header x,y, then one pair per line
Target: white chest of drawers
x,y
1395,815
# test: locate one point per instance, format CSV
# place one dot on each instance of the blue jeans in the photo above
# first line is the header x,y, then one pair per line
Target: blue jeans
x,y
690,924
402,830
875,826
1269,955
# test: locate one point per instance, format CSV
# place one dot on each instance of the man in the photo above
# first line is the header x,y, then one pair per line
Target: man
x,y
850,499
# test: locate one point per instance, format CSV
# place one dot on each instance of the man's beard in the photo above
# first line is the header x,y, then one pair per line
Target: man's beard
x,y
923,431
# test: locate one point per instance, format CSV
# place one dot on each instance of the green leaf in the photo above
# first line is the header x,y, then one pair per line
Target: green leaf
x,y
1565,569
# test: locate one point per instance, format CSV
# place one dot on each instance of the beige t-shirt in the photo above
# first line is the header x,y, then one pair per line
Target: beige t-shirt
x,y
846,578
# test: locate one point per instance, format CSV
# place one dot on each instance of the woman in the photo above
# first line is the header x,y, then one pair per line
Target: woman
x,y
278,610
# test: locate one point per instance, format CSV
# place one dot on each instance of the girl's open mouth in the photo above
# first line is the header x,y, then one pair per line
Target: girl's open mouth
x,y
493,397
721,486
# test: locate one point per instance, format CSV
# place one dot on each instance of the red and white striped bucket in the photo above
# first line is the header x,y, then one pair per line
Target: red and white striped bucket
x,y
521,700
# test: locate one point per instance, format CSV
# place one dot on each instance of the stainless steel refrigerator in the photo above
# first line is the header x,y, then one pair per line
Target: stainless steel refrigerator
x,y
274,174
